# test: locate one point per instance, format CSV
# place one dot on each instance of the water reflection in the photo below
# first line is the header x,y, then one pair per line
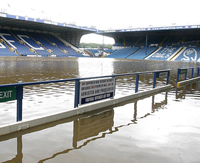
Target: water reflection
x,y
92,126
49,142
95,67
192,88
86,128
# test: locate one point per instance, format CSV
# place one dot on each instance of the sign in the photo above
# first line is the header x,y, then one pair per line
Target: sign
x,y
183,71
95,90
7,94
163,74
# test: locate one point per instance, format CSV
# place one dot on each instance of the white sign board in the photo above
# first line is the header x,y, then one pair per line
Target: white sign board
x,y
95,90
163,74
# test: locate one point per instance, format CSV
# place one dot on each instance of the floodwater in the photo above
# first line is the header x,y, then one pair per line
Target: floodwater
x,y
159,128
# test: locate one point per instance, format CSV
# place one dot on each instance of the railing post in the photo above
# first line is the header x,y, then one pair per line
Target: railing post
x,y
115,85
197,71
154,79
192,74
136,83
19,97
167,82
178,72
76,97
185,76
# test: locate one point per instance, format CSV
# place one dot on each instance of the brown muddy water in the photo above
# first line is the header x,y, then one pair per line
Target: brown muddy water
x,y
159,128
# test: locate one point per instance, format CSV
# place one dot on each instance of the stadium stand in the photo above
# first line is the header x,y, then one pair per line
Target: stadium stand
x,y
171,40
141,54
4,49
188,54
123,53
154,41
66,49
158,46
94,51
164,53
108,51
25,40
13,43
131,42
50,49
161,47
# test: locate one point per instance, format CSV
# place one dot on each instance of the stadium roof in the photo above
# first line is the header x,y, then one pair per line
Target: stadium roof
x,y
27,23
168,30
153,29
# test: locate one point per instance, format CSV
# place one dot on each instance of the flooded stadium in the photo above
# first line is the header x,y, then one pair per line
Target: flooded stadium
x,y
163,127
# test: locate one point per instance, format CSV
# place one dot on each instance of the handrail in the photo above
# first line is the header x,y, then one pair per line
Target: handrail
x,y
185,71
86,78
17,89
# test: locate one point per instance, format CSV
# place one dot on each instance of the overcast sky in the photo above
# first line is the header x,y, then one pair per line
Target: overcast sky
x,y
109,14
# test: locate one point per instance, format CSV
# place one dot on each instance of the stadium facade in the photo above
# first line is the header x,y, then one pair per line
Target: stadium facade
x,y
24,36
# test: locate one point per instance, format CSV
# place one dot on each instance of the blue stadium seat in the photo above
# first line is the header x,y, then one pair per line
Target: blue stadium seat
x,y
4,51
46,45
123,53
62,46
165,53
93,51
108,50
141,54
13,42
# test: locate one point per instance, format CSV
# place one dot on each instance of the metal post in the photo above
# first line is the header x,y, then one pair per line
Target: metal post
x,y
178,72
136,83
197,71
192,73
168,78
154,80
76,96
185,76
146,45
103,46
19,97
115,85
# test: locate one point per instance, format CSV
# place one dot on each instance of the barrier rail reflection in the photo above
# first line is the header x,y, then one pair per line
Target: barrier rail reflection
x,y
15,91
87,128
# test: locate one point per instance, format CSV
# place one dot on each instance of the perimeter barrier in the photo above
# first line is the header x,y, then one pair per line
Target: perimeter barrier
x,y
15,91
184,71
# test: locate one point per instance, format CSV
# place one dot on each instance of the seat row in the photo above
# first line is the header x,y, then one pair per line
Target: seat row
x,y
13,43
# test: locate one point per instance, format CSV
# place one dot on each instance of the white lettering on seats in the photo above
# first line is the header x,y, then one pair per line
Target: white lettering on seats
x,y
8,41
21,37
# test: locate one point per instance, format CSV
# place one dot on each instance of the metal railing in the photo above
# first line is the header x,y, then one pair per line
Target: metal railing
x,y
185,71
15,91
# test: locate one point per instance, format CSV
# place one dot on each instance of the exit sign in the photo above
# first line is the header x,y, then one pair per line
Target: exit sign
x,y
7,94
